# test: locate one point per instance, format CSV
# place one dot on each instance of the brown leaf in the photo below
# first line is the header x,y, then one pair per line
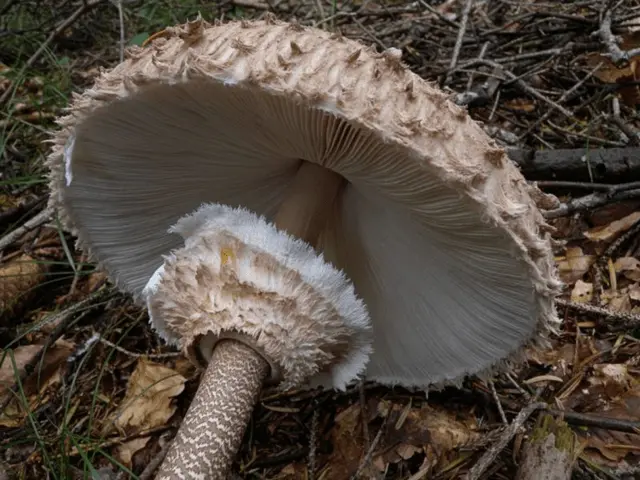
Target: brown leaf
x,y
613,230
293,471
348,444
408,430
617,301
148,402
582,292
610,73
609,447
45,376
125,451
629,267
22,356
614,378
18,280
574,264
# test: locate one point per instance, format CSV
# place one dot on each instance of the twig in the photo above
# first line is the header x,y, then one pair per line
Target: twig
x,y
367,458
591,201
458,45
590,420
81,10
251,4
563,98
134,354
496,399
363,413
121,22
628,130
616,54
622,321
509,432
609,188
522,85
29,225
63,319
152,466
313,443
517,385
13,214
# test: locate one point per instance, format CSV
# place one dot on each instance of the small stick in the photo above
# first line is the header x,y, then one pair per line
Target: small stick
x,y
589,420
498,403
509,432
458,45
152,466
121,22
563,98
623,321
313,443
588,202
64,318
363,413
134,354
523,85
31,224
517,385
603,187
367,458
616,54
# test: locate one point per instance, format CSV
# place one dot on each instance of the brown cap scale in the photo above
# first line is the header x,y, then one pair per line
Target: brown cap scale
x,y
208,171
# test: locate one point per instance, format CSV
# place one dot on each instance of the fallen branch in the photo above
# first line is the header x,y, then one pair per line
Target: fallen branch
x,y
611,165
614,321
458,45
588,202
508,433
33,223
616,54
590,420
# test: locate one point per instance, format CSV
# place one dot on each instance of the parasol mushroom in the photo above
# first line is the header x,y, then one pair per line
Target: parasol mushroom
x,y
294,207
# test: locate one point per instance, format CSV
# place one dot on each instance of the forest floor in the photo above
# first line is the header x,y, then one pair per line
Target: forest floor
x,y
88,391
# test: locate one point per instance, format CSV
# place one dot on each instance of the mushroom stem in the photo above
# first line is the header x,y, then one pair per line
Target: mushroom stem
x,y
210,435
214,426
309,202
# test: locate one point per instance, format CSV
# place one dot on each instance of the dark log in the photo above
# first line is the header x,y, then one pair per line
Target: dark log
x,y
604,165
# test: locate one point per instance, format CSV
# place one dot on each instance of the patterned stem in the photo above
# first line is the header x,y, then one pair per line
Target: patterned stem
x,y
211,433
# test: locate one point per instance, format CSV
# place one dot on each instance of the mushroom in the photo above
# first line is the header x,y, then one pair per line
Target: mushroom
x,y
295,208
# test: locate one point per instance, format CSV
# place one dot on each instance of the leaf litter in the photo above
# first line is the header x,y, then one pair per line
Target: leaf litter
x,y
98,381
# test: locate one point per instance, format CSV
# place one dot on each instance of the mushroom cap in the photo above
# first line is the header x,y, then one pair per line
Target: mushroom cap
x,y
436,227
238,274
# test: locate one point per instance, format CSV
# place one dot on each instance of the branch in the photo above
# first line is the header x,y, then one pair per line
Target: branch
x,y
616,54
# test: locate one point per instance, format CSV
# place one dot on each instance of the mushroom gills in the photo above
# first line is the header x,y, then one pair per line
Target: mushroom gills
x,y
448,291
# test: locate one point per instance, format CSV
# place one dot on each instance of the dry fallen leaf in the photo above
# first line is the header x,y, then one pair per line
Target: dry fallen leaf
x,y
629,267
18,280
22,356
148,402
628,74
582,292
613,230
614,378
348,445
46,376
408,430
125,451
574,264
608,447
